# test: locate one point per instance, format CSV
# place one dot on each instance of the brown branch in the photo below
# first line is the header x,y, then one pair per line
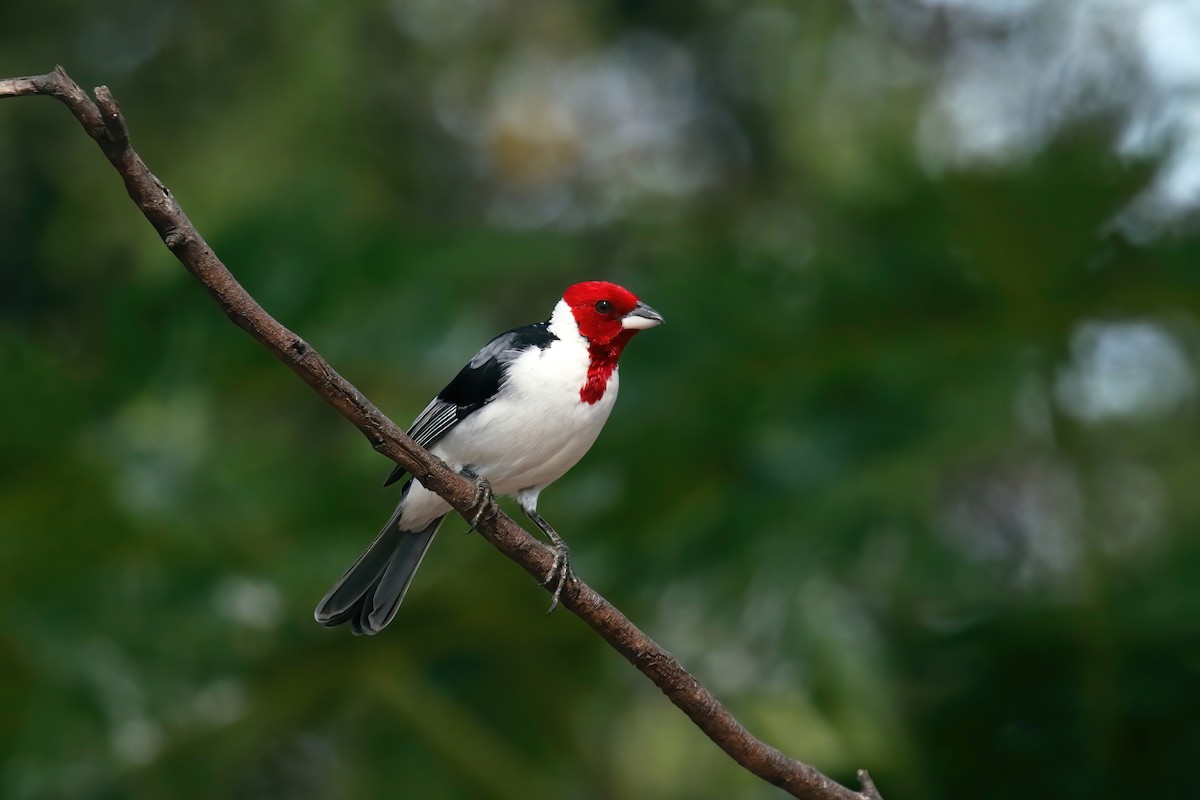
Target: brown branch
x,y
103,121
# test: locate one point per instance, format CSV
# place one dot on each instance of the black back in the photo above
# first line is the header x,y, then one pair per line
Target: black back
x,y
475,385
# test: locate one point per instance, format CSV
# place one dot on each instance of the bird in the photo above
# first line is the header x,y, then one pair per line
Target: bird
x,y
516,418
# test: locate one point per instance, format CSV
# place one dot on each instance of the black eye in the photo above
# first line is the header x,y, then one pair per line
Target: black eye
x,y
603,306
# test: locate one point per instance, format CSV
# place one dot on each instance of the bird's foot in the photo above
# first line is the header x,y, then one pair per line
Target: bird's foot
x,y
562,569
485,501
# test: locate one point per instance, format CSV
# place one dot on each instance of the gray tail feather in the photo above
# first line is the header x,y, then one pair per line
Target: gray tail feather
x,y
369,594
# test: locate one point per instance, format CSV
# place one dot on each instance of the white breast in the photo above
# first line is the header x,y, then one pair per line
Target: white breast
x,y
535,430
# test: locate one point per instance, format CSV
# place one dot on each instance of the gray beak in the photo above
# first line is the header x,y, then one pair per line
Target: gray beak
x,y
642,317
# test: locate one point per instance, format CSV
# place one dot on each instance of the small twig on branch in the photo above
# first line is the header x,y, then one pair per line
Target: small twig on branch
x,y
869,790
103,121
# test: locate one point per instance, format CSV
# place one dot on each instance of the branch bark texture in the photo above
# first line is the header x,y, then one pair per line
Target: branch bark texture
x,y
102,120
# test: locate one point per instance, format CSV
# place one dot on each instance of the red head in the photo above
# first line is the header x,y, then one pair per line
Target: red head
x,y
608,314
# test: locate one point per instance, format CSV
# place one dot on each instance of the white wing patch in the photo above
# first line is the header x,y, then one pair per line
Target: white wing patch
x,y
437,418
495,349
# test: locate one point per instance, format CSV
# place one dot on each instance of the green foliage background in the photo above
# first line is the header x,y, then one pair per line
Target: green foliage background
x,y
844,483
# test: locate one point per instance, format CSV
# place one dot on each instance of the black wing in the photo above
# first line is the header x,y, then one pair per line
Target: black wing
x,y
476,385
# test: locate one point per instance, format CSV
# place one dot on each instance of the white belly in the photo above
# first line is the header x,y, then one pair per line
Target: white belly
x,y
535,430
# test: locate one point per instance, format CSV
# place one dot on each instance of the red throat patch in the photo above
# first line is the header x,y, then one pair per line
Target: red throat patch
x,y
601,367
599,309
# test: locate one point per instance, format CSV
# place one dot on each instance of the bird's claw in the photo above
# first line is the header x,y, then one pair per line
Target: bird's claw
x,y
561,568
485,501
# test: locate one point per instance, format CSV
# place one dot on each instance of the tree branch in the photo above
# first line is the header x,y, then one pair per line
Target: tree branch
x,y
103,121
